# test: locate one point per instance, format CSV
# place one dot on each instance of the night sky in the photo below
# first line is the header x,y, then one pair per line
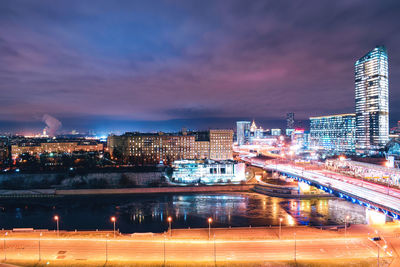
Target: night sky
x,y
162,65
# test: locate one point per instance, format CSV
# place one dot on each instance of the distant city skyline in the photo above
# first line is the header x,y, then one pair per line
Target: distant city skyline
x,y
153,66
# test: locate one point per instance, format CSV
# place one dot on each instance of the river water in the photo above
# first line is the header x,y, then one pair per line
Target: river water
x,y
148,213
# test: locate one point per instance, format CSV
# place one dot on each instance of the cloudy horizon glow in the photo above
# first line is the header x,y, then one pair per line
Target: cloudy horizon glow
x,y
162,65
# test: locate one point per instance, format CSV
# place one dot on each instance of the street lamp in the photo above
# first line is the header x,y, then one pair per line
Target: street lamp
x,y
169,219
4,245
56,218
113,220
280,227
215,253
40,258
345,225
388,165
295,247
209,227
164,250
106,248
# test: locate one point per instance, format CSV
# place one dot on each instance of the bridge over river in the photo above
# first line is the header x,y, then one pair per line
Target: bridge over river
x,y
371,195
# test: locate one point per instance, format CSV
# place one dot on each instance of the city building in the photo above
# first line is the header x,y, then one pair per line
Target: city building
x,y
334,133
154,148
290,120
221,144
301,139
372,101
36,149
207,171
276,132
242,132
289,132
4,151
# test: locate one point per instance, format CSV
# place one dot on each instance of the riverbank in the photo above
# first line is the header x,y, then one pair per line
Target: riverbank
x,y
40,193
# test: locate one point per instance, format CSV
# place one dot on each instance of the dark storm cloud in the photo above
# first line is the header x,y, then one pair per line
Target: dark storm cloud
x,y
166,61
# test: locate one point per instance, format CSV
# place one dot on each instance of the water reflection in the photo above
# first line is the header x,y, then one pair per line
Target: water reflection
x,y
149,213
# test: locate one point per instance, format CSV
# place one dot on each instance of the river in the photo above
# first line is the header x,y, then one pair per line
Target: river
x,y
148,213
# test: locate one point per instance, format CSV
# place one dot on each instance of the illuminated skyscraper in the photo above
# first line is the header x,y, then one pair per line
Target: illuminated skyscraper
x,y
290,120
242,131
372,101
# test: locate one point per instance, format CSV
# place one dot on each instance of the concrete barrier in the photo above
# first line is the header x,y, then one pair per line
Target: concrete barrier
x,y
40,193
156,190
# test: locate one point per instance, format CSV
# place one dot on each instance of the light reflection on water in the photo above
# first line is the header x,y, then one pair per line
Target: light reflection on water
x,y
149,212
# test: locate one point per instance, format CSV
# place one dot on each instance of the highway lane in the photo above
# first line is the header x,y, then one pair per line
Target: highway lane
x,y
363,183
183,250
366,193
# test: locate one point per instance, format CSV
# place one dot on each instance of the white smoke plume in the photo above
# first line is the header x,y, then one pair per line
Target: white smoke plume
x,y
52,124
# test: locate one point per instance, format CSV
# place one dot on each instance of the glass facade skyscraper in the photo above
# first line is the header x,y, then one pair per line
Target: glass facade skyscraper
x,y
372,101
290,120
334,134
242,132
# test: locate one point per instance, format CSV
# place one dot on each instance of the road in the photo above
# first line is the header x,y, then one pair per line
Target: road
x,y
363,183
54,249
372,195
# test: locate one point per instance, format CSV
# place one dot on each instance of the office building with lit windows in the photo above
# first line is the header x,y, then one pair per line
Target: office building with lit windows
x,y
372,101
154,148
334,133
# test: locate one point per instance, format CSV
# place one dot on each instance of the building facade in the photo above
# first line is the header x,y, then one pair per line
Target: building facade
x,y
334,133
55,147
154,148
290,120
242,132
207,171
372,101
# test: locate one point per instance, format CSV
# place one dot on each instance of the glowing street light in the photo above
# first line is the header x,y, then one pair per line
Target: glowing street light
x,y
113,220
342,158
57,219
280,227
169,219
209,227
388,165
40,256
4,245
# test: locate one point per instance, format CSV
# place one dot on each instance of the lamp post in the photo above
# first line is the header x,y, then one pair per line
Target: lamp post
x,y
388,165
113,220
378,253
106,248
4,246
345,225
376,232
215,253
209,227
164,250
56,218
40,256
280,227
169,219
295,247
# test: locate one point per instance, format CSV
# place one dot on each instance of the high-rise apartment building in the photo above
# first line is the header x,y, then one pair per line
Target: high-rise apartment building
x,y
290,120
372,101
334,133
242,132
